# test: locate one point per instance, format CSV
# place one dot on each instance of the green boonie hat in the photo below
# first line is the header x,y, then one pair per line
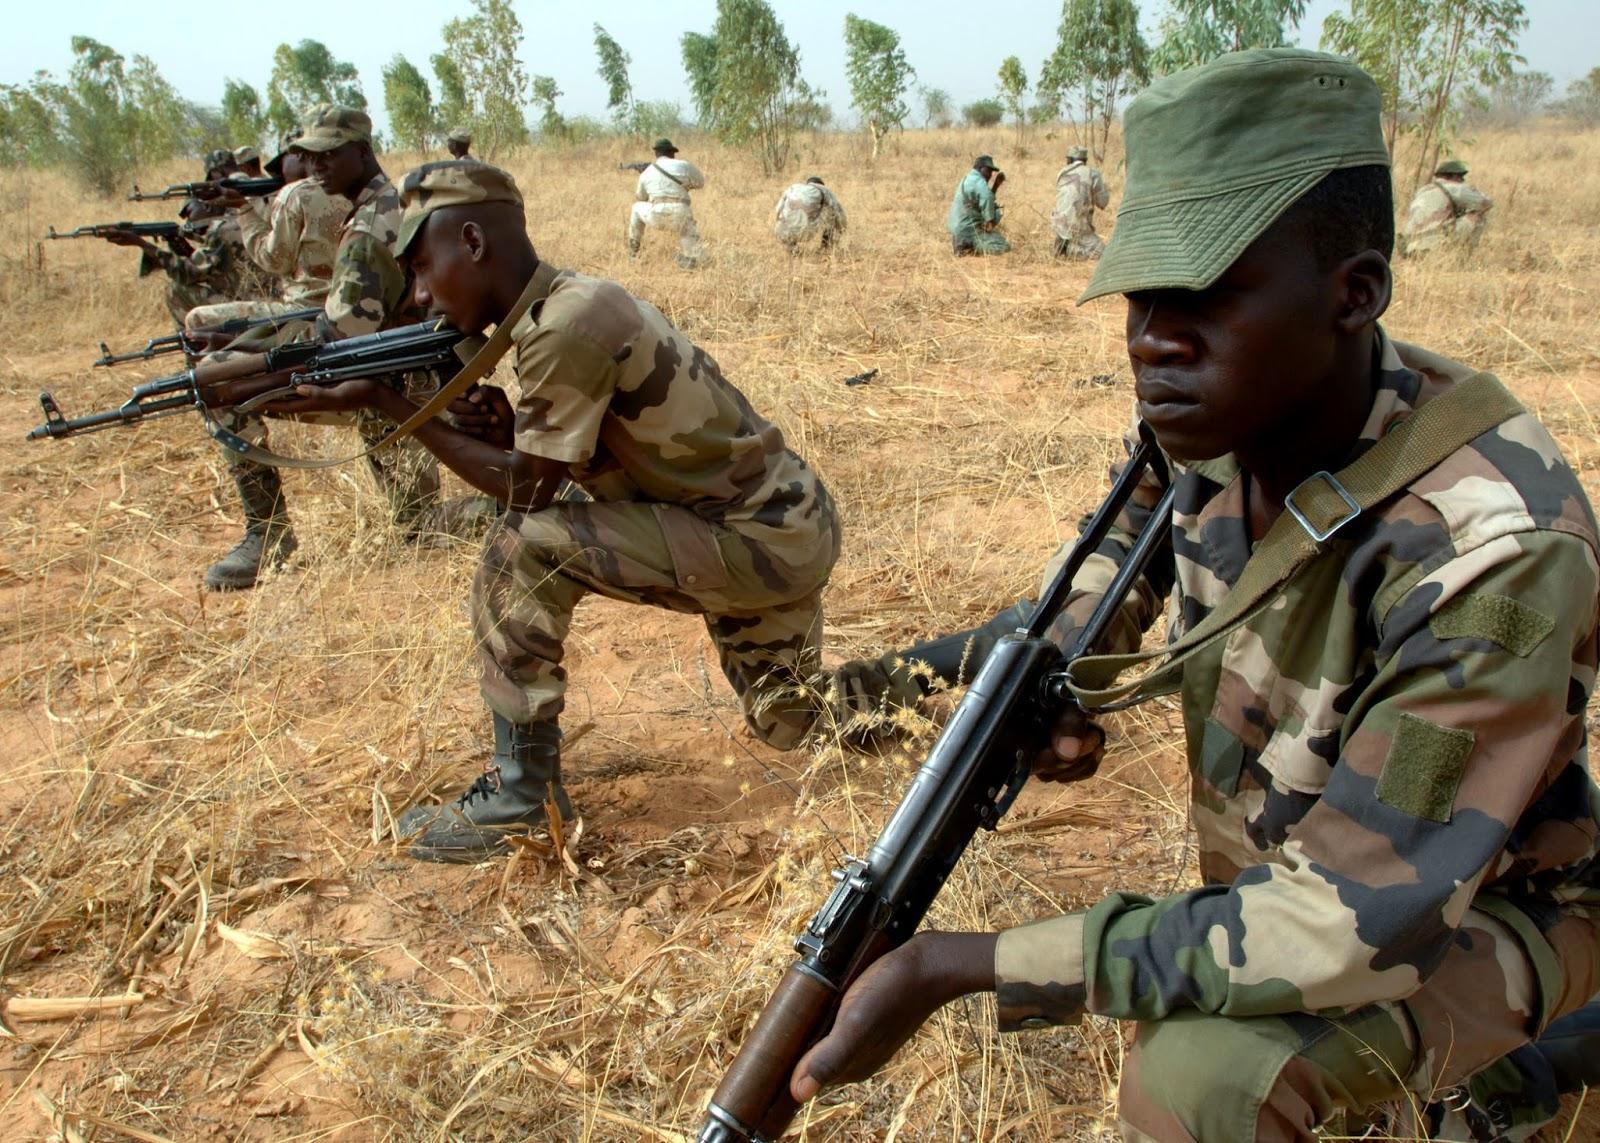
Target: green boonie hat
x,y
1078,154
1217,153
1451,167
331,126
449,182
243,155
983,161
664,144
459,135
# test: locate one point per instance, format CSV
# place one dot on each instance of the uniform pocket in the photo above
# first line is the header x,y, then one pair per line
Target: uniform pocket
x,y
697,562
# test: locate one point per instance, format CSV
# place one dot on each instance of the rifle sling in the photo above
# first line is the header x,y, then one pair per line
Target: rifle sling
x,y
1418,444
481,365
668,173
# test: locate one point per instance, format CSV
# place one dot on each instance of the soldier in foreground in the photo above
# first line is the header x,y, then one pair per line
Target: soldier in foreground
x,y
662,195
974,221
808,210
1446,212
1397,824
698,505
1080,191
458,143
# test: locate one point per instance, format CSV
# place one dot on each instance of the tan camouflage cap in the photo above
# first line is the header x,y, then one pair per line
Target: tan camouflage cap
x,y
243,155
449,182
1078,155
459,135
331,126
1217,153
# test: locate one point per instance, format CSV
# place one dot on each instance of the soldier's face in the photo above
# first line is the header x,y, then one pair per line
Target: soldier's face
x,y
457,150
448,278
339,170
1223,369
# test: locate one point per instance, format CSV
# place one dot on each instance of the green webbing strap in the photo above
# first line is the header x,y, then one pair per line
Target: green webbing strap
x,y
481,365
1315,510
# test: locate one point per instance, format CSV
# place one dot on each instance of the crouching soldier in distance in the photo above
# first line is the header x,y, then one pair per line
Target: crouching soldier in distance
x,y
1384,674
697,504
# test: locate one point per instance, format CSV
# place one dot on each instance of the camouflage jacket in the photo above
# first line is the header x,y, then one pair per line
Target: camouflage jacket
x,y
972,206
1079,191
367,288
805,208
1442,209
296,237
638,412
217,270
1399,736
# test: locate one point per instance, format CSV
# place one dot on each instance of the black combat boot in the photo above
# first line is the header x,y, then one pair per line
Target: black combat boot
x,y
268,542
507,798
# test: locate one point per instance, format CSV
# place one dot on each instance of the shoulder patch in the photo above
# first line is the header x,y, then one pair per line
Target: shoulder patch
x,y
1424,768
1499,619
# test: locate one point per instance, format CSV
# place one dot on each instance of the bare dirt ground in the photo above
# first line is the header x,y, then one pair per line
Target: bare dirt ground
x,y
197,792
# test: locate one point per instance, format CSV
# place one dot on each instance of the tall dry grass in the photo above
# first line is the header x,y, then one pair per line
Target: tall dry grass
x,y
199,790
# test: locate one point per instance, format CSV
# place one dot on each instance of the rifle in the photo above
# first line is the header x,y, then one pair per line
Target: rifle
x,y
174,342
166,231
206,188
247,381
639,168
972,775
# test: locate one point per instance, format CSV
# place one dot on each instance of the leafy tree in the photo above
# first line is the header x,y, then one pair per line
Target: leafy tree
x,y
30,133
936,107
700,64
545,94
1099,53
1423,53
409,101
1582,101
983,113
242,115
1013,89
614,70
483,48
879,76
1515,99
163,122
1196,31
305,75
654,118
453,109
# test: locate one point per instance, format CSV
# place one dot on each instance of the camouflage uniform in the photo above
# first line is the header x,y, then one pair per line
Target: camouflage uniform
x,y
972,207
808,210
1397,825
1445,213
698,507
663,200
1079,192
217,271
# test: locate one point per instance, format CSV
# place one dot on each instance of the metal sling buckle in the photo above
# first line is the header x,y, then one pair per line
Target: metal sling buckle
x,y
1321,534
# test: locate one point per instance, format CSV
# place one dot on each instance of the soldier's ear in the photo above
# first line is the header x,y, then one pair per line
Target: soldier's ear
x,y
1364,283
475,241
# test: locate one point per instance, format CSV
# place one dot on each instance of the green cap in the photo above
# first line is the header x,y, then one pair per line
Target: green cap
x,y
983,161
1217,153
448,182
1451,167
331,126
664,144
1078,155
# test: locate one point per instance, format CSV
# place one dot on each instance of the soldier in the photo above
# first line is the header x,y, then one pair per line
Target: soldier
x,y
1397,825
366,292
807,210
663,200
697,504
458,143
1079,192
1448,211
974,221
215,271
248,162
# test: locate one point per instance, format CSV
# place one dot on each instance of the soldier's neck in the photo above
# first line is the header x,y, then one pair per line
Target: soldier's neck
x,y
509,284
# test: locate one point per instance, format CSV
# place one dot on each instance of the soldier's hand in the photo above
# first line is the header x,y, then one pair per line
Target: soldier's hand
x,y
119,237
203,341
345,397
485,414
226,197
1076,747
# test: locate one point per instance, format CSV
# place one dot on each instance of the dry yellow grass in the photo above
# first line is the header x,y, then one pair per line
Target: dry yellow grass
x,y
197,791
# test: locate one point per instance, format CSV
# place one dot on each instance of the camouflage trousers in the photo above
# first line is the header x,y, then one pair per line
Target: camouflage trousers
x,y
184,297
674,217
1087,247
210,316
762,603
1199,1078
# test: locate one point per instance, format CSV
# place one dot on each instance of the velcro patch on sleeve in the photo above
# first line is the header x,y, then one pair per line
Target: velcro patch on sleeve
x,y
1424,768
1501,620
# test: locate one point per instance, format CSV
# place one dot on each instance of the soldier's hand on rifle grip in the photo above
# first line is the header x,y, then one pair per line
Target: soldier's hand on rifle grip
x,y
1076,747
345,397
225,197
126,238
485,414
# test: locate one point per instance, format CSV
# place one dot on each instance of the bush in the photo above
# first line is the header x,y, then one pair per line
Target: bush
x,y
983,113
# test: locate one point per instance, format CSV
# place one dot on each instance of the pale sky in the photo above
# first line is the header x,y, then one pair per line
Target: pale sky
x,y
956,47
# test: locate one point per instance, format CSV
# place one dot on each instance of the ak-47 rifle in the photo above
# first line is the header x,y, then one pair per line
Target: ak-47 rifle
x,y
973,774
207,188
247,381
180,341
166,231
638,168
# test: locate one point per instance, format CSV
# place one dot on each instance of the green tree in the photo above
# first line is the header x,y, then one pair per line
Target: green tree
x,y
983,113
242,114
545,93
614,70
653,118
878,74
30,130
305,75
1013,90
936,106
1196,31
163,122
1514,100
483,48
1582,101
454,108
409,101
1100,57
700,65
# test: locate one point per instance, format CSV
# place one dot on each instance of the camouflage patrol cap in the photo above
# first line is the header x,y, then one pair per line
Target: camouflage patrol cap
x,y
220,157
459,135
1078,155
331,126
274,165
1217,153
1451,167
247,154
664,145
449,182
